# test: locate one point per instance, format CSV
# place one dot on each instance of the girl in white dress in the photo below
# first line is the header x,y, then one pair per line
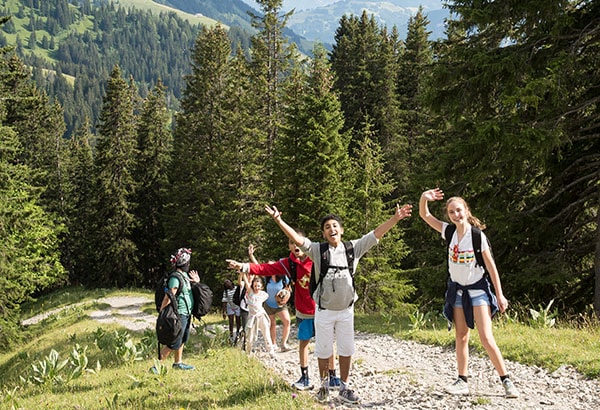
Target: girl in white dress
x,y
257,316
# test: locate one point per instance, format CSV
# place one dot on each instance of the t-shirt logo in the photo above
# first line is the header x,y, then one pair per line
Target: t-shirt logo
x,y
461,257
454,256
304,282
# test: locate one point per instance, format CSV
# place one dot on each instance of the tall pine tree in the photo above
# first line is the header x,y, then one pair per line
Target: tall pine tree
x,y
312,170
151,174
115,162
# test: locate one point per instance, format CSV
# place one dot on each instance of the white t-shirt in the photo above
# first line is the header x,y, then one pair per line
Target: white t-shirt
x,y
461,260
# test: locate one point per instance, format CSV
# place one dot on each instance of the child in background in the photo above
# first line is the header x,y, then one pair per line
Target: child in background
x,y
257,316
231,310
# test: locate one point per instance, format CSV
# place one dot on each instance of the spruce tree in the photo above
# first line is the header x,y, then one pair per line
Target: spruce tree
x,y
364,60
383,285
78,246
151,174
213,177
29,253
312,163
270,62
516,87
117,257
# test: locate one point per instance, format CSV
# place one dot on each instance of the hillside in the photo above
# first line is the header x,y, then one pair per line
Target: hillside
x,y
149,41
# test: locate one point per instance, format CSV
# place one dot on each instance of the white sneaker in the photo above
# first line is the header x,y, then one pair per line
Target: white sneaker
x,y
510,389
459,387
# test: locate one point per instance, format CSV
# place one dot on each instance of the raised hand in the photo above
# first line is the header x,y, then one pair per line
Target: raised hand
x,y
404,211
435,194
273,212
231,264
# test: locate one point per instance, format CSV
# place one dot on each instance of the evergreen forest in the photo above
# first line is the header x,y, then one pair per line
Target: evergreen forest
x,y
139,134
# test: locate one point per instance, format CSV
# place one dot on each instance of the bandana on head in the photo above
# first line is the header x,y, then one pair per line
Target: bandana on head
x,y
181,257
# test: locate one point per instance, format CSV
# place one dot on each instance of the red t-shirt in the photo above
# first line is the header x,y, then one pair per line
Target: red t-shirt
x,y
305,305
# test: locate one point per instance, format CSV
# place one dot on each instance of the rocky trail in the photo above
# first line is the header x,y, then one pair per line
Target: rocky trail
x,y
390,373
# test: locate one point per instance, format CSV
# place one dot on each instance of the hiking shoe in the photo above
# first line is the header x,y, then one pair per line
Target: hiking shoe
x,y
334,383
323,394
303,384
153,369
182,366
349,396
510,389
459,387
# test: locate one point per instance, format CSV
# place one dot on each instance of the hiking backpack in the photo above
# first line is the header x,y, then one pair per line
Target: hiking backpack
x,y
476,235
238,294
163,285
168,323
324,252
203,298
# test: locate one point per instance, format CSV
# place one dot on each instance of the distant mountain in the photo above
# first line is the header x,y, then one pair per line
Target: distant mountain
x,y
233,13
317,20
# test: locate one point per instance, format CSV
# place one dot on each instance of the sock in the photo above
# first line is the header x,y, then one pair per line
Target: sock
x,y
506,376
304,371
343,385
331,372
463,378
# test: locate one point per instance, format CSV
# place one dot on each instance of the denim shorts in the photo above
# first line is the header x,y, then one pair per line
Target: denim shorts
x,y
479,300
183,336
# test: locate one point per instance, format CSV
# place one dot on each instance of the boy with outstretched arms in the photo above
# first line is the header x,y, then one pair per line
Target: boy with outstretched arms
x,y
335,295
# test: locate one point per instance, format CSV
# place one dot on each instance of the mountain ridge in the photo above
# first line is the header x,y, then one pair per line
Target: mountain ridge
x,y
317,20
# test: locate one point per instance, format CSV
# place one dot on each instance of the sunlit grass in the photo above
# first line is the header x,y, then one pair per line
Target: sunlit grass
x,y
225,378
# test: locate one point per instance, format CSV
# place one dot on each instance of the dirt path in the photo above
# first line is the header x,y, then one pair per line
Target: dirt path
x,y
390,373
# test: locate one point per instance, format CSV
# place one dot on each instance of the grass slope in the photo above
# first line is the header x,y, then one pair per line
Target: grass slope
x,y
225,378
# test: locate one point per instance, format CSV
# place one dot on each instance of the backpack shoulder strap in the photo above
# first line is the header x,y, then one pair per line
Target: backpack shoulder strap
x,y
179,278
324,252
448,232
287,272
293,272
350,257
476,235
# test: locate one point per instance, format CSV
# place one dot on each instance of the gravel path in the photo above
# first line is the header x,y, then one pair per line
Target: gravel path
x,y
390,373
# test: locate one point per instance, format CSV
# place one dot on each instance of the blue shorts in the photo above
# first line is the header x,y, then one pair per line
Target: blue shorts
x,y
306,328
479,300
183,337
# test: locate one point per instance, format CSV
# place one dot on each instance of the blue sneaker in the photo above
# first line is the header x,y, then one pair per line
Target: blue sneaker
x,y
334,383
182,366
303,384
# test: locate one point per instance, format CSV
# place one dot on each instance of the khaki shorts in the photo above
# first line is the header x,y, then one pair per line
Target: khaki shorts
x,y
271,311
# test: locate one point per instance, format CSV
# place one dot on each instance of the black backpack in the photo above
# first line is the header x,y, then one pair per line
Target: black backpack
x,y
203,298
163,285
324,251
168,324
238,295
476,234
